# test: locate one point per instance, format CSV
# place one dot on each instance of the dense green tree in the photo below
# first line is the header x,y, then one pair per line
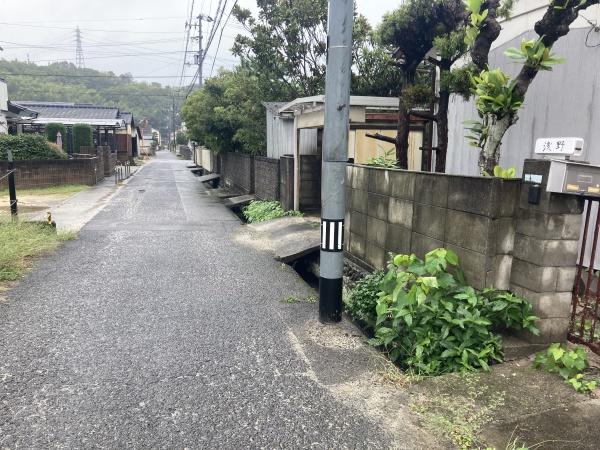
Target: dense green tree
x,y
227,114
283,57
181,138
51,131
82,136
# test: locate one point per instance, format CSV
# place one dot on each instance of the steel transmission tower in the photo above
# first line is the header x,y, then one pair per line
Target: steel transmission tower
x,y
79,62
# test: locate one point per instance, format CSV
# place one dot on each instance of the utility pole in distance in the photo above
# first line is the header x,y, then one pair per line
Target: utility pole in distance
x,y
335,157
199,57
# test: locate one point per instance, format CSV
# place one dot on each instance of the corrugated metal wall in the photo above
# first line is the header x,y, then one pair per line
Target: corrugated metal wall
x,y
564,102
280,138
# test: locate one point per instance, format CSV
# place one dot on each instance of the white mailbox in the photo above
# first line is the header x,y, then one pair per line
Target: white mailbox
x,y
564,176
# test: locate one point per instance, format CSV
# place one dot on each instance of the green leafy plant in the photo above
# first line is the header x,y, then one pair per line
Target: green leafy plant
x,y
569,364
430,320
383,160
29,146
495,93
52,129
82,136
259,211
362,299
476,19
499,172
534,54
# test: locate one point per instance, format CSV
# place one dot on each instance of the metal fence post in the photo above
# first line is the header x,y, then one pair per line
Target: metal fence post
x,y
12,191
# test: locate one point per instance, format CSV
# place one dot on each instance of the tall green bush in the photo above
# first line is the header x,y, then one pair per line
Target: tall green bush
x,y
431,321
52,129
29,146
82,136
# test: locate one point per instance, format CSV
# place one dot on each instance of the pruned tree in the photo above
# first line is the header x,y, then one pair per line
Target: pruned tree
x,y
498,98
285,46
413,30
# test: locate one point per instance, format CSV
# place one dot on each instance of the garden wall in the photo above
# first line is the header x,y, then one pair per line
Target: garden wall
x,y
266,178
502,239
237,171
414,212
51,172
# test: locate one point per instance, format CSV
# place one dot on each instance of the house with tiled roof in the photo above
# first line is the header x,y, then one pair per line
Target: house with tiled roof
x,y
105,121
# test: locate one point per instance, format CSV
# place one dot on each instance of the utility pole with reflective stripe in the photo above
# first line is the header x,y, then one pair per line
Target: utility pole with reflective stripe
x,y
335,157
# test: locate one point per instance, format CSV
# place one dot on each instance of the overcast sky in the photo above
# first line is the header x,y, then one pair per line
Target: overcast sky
x,y
143,37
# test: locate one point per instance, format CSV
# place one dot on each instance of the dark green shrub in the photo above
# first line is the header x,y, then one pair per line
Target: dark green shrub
x,y
52,129
362,299
82,136
430,320
29,146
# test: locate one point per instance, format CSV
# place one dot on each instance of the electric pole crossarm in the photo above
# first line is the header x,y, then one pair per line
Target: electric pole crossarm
x,y
335,156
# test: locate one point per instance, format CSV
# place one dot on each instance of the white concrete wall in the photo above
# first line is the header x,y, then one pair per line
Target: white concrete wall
x,y
3,106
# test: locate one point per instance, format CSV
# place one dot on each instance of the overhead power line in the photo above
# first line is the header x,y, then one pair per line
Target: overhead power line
x,y
86,76
221,36
86,29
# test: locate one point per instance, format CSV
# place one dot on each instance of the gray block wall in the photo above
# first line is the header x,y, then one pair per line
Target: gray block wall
x,y
394,211
545,254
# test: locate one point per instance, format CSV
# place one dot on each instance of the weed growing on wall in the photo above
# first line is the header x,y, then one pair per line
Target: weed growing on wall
x,y
259,211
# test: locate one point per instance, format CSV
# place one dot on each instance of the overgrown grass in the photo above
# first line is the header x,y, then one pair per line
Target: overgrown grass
x,y
22,241
259,211
52,190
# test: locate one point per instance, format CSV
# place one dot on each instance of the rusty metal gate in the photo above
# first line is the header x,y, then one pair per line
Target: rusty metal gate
x,y
583,328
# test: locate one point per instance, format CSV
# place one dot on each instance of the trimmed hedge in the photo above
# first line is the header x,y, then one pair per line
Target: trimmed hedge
x,y
82,136
29,146
52,129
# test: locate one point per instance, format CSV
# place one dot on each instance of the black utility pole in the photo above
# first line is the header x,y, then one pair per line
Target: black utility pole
x,y
12,191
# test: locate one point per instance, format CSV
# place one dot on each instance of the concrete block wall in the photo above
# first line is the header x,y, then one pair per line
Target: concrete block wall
x,y
395,211
92,152
237,172
545,254
266,178
52,172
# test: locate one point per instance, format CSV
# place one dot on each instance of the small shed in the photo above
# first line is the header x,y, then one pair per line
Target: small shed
x,y
296,128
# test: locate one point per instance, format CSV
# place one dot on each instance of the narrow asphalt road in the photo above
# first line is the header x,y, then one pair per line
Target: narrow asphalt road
x,y
156,329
